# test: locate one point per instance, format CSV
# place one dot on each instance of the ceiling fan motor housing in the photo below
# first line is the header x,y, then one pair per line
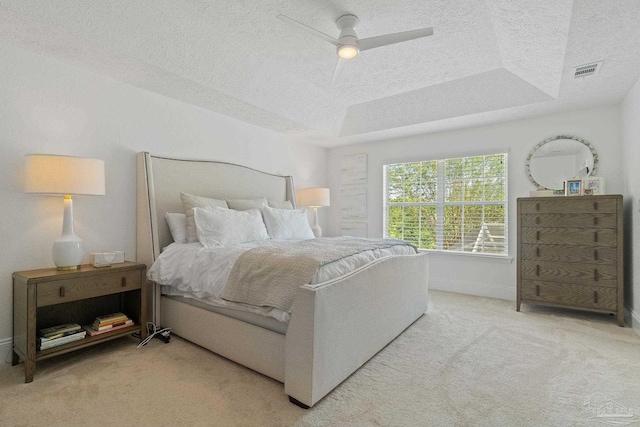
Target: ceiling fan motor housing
x,y
348,37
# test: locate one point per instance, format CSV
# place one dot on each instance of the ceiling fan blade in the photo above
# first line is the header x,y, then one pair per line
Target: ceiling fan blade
x,y
308,29
378,41
338,70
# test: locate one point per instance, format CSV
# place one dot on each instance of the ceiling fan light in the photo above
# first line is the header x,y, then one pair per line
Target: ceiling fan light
x,y
347,51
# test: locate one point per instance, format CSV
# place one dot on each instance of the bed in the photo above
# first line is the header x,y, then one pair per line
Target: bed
x,y
335,326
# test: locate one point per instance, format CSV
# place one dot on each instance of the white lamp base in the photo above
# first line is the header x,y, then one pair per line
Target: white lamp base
x,y
67,249
317,231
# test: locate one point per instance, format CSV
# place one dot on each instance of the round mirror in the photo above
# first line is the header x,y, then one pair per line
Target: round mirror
x,y
558,159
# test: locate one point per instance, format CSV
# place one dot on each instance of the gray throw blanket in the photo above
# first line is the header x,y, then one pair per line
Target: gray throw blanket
x,y
270,276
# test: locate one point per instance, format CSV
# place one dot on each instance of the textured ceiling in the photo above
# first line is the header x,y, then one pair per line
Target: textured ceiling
x,y
488,61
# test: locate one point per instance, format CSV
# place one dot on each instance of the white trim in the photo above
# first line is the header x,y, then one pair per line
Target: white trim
x,y
632,318
5,349
473,288
501,259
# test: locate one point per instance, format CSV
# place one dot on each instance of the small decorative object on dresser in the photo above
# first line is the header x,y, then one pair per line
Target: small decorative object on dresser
x,y
573,187
570,253
595,184
56,303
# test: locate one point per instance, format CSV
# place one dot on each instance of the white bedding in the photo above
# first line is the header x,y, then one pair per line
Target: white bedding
x,y
193,271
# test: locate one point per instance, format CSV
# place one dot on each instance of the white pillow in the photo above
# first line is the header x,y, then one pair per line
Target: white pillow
x,y
280,205
189,201
287,223
218,227
244,204
177,223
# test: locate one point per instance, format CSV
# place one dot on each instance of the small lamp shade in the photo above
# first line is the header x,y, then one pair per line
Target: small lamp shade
x,y
65,176
314,197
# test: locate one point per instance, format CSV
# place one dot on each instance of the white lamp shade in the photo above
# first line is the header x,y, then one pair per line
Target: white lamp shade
x,y
314,197
64,175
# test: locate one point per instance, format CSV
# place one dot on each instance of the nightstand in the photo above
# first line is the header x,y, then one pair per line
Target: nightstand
x,y
47,297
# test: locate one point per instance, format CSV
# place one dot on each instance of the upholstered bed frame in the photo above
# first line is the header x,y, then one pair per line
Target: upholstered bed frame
x,y
335,327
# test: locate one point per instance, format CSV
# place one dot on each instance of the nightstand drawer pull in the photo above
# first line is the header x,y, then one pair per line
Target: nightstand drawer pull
x,y
62,291
124,282
595,296
595,274
595,255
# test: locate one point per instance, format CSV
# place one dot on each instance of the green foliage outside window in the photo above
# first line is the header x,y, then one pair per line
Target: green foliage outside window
x,y
470,194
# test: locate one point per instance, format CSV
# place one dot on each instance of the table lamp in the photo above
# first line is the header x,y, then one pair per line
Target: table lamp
x,y
65,176
314,198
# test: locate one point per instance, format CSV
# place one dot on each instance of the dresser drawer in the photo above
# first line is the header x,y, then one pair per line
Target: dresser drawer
x,y
591,297
569,205
59,291
579,274
576,220
572,254
569,236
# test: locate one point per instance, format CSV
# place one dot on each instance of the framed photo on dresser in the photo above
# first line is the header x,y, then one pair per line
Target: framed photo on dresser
x,y
595,183
573,187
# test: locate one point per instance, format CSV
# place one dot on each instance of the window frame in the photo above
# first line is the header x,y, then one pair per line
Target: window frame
x,y
441,204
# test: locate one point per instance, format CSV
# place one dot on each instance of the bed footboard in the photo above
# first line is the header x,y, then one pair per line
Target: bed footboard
x,y
337,326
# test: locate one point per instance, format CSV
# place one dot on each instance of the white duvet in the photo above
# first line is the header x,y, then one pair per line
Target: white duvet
x,y
193,271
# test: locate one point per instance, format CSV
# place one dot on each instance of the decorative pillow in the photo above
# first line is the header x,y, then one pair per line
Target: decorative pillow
x,y
177,223
280,205
218,227
244,204
189,201
287,223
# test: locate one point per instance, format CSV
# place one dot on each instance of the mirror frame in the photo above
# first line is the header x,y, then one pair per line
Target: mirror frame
x,y
554,138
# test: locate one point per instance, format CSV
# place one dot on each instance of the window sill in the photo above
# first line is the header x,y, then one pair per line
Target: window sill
x,y
500,259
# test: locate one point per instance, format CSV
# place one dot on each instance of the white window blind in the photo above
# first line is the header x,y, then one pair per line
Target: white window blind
x,y
455,204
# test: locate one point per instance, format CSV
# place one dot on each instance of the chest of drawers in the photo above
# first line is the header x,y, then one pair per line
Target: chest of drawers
x,y
570,253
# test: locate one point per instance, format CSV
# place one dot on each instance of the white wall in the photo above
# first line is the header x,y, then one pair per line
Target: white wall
x,y
465,273
630,135
50,107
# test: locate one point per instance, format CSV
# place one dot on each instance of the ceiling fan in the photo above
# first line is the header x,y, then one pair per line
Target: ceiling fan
x,y
348,45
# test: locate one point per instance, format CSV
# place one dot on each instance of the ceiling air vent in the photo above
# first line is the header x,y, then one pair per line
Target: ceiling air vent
x,y
587,70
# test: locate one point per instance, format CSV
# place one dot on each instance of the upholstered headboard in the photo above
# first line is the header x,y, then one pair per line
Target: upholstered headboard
x,y
161,179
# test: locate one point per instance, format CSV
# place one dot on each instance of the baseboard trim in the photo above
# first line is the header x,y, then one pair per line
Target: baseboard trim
x,y
632,319
473,288
5,349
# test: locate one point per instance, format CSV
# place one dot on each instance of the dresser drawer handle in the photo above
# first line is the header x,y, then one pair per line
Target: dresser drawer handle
x,y
62,291
595,206
595,220
596,256
538,235
595,236
538,270
537,220
537,251
595,274
124,282
595,297
537,290
537,206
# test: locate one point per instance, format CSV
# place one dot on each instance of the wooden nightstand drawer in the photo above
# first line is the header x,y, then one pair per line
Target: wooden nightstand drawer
x,y
579,274
592,297
87,287
570,236
574,205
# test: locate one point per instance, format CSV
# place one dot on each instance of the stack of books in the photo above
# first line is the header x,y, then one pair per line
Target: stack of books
x,y
58,335
108,323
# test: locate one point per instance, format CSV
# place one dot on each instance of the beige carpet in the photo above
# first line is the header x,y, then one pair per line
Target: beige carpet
x,y
468,362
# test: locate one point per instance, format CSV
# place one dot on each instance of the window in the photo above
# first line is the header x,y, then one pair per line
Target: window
x,y
451,205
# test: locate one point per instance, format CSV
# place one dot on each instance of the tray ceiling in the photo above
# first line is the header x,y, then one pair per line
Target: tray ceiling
x,y
487,61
